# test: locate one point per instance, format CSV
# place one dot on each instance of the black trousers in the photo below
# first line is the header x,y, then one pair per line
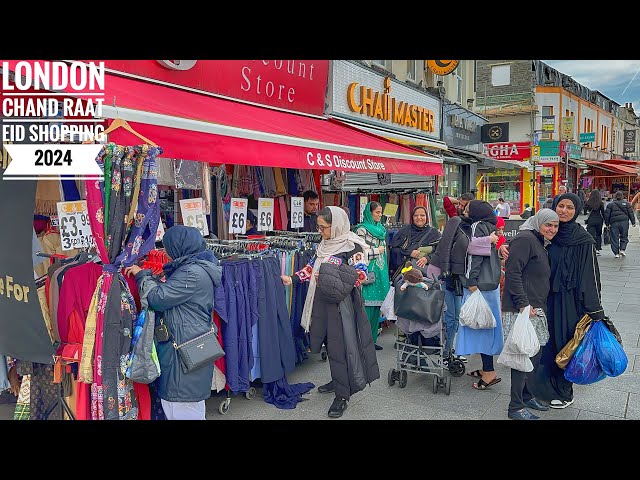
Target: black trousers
x,y
619,236
520,394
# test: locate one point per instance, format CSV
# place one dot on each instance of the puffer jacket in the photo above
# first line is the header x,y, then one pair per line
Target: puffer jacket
x,y
451,254
339,316
619,211
185,302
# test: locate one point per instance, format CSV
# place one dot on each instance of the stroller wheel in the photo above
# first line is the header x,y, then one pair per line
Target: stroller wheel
x,y
456,368
447,385
391,377
403,379
435,384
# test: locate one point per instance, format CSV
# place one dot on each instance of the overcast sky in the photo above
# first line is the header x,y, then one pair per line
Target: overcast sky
x,y
618,80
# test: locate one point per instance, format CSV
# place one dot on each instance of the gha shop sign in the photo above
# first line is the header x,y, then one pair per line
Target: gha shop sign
x,y
507,150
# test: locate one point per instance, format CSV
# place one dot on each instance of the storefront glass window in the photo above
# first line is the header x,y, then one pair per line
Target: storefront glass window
x,y
504,184
449,185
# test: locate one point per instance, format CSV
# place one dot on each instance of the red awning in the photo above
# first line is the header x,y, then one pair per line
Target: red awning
x,y
193,126
610,167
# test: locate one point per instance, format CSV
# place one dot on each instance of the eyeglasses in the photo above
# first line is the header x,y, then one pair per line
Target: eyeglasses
x,y
322,228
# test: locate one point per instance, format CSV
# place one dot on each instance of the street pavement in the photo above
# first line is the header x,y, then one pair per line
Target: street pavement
x,y
609,399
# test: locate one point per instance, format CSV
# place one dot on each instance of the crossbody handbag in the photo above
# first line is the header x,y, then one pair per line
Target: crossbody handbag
x,y
199,351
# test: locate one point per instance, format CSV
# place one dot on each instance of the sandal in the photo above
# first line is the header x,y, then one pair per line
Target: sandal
x,y
482,385
475,374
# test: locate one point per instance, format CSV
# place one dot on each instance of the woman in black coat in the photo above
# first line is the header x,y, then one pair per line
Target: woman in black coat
x,y
595,220
414,241
334,311
527,285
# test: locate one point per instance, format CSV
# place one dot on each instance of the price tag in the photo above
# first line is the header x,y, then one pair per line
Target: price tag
x,y
297,212
363,204
54,221
193,216
160,231
265,214
75,230
238,216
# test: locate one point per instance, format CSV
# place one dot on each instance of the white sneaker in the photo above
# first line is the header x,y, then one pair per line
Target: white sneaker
x,y
617,256
561,403
598,252
622,253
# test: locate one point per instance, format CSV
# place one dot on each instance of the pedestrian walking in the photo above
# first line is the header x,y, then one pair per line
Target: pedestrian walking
x,y
617,216
527,284
503,209
595,220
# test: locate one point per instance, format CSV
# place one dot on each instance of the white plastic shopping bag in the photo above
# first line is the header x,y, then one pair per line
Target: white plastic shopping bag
x,y
476,313
517,361
522,338
386,309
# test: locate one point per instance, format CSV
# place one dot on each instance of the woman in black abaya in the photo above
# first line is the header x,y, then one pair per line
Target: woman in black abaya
x,y
414,241
575,290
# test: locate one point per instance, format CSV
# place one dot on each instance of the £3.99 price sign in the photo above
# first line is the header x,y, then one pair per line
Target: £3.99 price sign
x,y
297,212
75,230
238,216
193,215
265,214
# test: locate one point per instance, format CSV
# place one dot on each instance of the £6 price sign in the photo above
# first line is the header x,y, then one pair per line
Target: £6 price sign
x,y
193,216
297,212
75,230
265,214
238,216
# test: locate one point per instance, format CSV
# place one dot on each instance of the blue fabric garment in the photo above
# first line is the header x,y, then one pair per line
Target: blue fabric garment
x,y
301,339
488,340
451,318
70,190
277,351
236,303
255,348
353,210
283,395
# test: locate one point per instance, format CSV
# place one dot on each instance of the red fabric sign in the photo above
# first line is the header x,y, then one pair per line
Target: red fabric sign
x,y
507,150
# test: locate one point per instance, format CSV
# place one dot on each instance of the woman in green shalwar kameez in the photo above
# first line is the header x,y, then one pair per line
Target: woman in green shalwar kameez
x,y
375,234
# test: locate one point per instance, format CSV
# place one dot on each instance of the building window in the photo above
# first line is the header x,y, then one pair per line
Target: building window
x,y
414,70
386,64
500,75
459,88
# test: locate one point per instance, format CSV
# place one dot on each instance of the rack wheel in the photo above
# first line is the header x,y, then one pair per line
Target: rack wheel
x,y
456,368
391,377
435,384
323,356
447,385
249,394
224,406
403,379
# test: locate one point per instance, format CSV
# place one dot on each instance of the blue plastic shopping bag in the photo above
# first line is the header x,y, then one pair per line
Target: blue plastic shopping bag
x,y
609,352
584,368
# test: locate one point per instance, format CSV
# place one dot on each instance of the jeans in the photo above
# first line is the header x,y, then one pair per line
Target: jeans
x,y
451,318
487,362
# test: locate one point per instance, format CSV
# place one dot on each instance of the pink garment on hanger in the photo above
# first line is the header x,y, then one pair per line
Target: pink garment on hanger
x,y
284,214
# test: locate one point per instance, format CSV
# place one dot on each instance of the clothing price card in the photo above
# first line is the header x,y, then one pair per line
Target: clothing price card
x,y
75,230
160,231
238,216
193,216
363,204
297,212
265,214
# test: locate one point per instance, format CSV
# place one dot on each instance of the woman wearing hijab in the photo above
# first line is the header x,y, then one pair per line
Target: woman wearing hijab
x,y
186,300
414,241
574,291
343,327
527,284
375,236
487,341
595,220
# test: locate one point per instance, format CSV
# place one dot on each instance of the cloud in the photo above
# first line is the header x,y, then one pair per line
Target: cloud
x,y
613,78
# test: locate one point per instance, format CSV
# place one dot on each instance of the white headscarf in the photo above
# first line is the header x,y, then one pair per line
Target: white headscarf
x,y
342,240
543,216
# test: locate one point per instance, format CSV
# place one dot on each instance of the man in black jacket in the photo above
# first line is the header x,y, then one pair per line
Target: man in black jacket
x,y
617,216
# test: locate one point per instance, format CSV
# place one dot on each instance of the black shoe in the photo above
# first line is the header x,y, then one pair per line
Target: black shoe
x,y
338,406
327,388
522,414
536,404
378,347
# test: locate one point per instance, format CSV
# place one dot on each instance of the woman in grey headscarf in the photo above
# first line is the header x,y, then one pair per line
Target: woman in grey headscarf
x,y
527,280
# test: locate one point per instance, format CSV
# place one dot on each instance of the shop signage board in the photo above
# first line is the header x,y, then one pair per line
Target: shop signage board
x,y
238,216
75,228
297,212
265,214
567,127
548,123
507,150
193,215
587,137
511,228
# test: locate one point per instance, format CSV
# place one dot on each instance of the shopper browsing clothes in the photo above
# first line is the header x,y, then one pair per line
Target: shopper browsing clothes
x,y
527,284
334,313
617,216
186,303
375,236
574,291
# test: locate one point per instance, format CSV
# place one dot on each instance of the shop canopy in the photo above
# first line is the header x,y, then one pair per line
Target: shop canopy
x,y
624,170
193,126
